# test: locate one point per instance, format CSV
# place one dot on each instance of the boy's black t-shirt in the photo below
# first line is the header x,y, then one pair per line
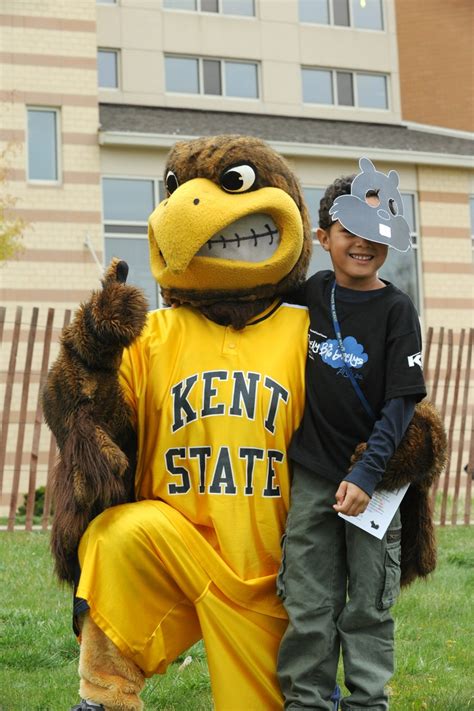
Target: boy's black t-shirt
x,y
382,339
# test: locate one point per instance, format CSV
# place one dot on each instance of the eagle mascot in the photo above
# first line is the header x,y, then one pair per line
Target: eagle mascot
x,y
172,485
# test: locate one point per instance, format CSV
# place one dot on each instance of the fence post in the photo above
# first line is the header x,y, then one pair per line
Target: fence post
x,y
8,392
23,415
30,506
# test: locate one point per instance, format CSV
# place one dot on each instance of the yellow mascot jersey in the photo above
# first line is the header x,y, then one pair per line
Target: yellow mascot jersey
x,y
215,411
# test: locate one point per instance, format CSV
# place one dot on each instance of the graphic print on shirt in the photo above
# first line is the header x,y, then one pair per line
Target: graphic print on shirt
x,y
225,396
330,353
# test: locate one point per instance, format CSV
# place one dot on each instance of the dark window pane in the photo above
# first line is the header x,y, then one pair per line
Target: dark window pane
x,y
209,6
409,210
211,70
314,11
135,252
241,80
127,200
317,86
371,91
320,259
341,12
161,191
238,7
312,198
42,145
345,91
367,15
107,69
400,268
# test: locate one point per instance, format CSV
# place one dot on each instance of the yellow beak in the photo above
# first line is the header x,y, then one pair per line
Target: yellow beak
x,y
199,209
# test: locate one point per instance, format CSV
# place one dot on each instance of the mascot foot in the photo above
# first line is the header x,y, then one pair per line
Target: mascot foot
x,y
107,676
87,706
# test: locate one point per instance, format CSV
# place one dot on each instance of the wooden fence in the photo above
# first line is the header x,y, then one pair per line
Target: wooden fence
x,y
28,450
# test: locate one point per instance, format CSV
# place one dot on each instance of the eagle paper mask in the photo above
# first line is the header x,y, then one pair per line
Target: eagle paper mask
x,y
382,223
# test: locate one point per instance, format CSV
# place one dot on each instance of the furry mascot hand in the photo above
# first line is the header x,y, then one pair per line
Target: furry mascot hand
x,y
419,460
84,407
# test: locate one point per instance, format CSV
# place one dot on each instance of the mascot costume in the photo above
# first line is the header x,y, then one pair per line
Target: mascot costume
x,y
172,485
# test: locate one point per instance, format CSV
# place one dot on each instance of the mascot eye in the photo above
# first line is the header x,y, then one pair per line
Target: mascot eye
x,y
238,179
393,207
171,182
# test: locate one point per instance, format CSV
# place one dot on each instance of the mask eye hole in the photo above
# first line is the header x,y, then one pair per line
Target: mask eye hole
x,y
372,198
393,207
239,178
171,182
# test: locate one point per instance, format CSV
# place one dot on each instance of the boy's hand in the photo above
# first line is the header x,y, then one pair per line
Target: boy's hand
x,y
350,499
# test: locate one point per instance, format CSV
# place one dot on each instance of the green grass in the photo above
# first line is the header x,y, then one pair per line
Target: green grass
x,y
38,653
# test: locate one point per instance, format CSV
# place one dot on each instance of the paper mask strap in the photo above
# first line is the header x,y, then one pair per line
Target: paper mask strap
x,y
347,368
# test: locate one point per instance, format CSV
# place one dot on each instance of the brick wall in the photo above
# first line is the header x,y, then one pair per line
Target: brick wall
x,y
436,61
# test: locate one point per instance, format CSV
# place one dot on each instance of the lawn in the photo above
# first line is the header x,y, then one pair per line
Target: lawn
x,y
38,653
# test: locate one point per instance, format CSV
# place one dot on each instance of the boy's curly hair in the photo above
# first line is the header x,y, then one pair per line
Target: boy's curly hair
x,y
341,186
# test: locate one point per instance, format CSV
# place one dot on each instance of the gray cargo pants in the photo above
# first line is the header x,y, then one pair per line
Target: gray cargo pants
x,y
338,584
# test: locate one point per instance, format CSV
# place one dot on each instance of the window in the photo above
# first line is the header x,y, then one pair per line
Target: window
x,y
107,67
372,91
344,88
43,152
245,8
367,14
363,14
317,86
127,204
106,2
400,268
211,77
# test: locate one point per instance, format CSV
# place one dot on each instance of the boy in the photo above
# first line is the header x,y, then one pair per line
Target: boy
x,y
337,581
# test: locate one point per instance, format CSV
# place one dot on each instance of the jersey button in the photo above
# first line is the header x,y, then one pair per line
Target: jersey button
x,y
231,345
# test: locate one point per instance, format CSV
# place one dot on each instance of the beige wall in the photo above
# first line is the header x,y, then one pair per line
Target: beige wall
x,y
275,38
48,59
445,245
435,45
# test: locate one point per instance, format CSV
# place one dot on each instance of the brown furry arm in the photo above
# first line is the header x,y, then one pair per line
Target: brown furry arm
x,y
85,408
419,460
421,455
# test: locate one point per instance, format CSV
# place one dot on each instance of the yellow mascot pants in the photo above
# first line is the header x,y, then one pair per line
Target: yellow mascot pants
x,y
150,594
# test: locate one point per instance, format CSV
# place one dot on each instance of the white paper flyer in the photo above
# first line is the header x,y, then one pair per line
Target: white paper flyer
x,y
379,513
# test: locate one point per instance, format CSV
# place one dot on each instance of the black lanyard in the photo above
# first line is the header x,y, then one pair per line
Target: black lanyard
x,y
345,365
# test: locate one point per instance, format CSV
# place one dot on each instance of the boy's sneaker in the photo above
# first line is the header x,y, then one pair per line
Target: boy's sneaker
x,y
87,706
336,697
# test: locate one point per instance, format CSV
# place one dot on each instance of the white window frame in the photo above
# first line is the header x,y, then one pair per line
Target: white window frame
x,y
221,61
354,74
219,10
118,62
351,25
42,181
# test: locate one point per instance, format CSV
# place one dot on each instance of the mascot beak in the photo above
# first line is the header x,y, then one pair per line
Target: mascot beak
x,y
199,210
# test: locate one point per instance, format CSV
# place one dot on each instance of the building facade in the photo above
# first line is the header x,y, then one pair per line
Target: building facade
x,y
93,95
